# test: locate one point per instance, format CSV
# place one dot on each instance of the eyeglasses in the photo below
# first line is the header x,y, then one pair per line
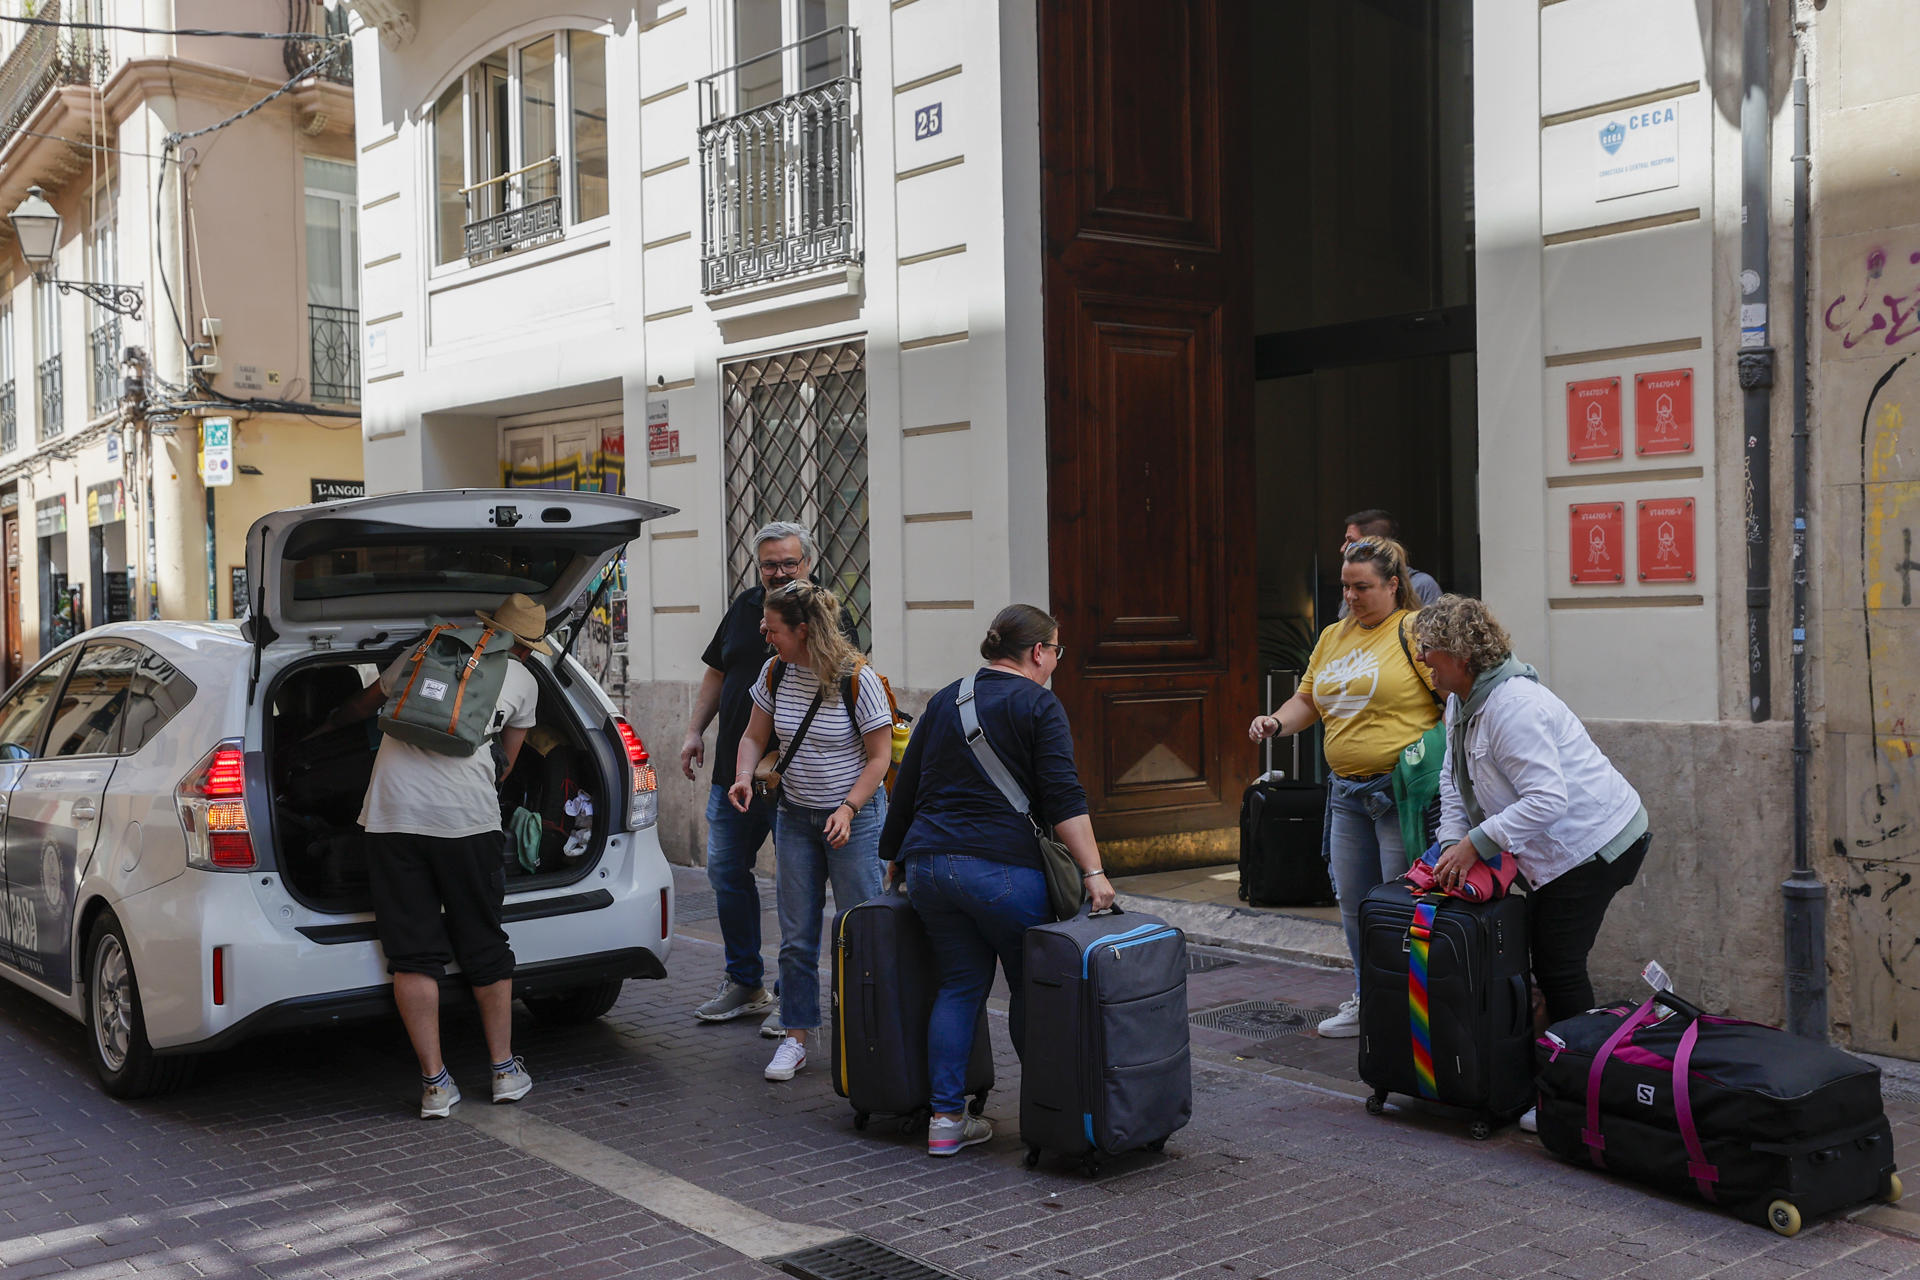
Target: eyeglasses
x,y
780,566
1059,650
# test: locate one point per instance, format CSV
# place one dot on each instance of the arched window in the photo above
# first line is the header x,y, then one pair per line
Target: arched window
x,y
519,147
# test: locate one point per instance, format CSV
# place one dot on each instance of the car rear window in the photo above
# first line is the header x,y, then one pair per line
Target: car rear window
x,y
384,569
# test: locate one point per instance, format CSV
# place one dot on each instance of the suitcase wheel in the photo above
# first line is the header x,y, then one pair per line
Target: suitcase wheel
x,y
1090,1164
978,1106
1481,1131
1891,1192
1783,1217
1033,1158
860,1120
1377,1104
1157,1145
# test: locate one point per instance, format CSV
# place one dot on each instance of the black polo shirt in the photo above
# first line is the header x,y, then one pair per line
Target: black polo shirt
x,y
737,652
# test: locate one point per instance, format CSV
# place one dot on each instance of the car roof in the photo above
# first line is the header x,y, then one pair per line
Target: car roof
x,y
174,635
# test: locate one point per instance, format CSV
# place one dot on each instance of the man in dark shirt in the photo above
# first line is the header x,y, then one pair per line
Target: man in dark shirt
x,y
739,649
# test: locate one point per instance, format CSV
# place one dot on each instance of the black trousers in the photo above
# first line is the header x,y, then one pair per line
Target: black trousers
x,y
1564,918
413,877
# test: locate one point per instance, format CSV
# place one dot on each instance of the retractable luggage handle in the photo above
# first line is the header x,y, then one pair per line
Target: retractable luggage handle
x,y
1704,1175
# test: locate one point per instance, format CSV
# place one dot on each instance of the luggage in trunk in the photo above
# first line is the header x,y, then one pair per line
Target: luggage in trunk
x,y
1771,1127
1107,1066
884,982
1445,1008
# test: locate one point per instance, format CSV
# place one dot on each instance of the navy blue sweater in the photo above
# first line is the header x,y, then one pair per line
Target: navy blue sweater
x,y
943,802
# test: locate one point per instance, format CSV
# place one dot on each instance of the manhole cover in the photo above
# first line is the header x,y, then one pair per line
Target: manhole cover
x,y
1198,963
857,1258
1260,1019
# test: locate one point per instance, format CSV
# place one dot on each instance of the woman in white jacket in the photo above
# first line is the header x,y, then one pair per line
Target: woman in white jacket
x,y
1522,775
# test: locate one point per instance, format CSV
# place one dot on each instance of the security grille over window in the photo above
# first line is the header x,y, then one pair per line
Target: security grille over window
x,y
9,423
104,351
779,180
797,450
52,402
336,353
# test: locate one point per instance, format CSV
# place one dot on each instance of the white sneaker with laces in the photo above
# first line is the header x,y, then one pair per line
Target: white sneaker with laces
x,y
511,1086
787,1059
1530,1122
1343,1025
437,1101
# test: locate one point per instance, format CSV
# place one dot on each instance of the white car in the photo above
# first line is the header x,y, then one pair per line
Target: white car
x,y
181,863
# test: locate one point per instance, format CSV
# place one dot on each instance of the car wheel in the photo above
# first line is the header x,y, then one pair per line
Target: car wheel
x,y
116,1030
577,1005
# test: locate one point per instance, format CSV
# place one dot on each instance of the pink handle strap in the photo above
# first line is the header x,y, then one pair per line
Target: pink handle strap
x,y
1591,1135
1703,1174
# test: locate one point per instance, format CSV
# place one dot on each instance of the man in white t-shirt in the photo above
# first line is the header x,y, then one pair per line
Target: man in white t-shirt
x,y
434,841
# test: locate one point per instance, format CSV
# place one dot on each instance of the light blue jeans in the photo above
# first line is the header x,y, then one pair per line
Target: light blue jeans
x,y
1364,847
806,866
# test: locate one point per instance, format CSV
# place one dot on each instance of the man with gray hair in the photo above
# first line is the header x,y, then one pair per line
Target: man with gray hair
x,y
784,552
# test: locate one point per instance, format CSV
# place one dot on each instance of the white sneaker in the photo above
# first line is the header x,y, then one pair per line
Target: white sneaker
x,y
1343,1025
787,1059
1530,1122
437,1101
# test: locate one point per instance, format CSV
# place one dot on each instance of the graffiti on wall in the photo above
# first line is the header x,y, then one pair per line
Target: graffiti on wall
x,y
1873,308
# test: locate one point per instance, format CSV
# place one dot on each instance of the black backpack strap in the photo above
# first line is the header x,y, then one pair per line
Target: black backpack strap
x,y
1432,692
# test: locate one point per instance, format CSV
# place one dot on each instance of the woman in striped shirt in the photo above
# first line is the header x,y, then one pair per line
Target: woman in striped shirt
x,y
831,808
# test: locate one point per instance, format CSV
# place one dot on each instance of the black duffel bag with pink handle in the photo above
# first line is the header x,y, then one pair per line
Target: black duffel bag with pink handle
x,y
1772,1127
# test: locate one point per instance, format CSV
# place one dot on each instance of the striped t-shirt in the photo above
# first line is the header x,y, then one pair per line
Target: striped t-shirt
x,y
831,756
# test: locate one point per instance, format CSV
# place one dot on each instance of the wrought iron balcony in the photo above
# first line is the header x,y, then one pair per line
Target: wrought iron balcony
x,y
53,405
43,61
780,181
527,223
335,347
9,424
103,350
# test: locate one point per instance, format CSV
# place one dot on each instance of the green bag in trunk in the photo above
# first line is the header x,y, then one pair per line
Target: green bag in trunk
x,y
448,689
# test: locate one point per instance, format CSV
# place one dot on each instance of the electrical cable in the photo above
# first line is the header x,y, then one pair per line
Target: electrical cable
x,y
305,73
174,31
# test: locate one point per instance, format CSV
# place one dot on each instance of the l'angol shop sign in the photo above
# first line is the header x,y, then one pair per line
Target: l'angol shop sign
x,y
335,490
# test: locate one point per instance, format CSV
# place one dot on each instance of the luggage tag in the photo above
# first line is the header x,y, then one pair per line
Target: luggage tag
x,y
1656,977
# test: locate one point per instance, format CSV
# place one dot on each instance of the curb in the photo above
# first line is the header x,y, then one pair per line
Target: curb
x,y
1273,934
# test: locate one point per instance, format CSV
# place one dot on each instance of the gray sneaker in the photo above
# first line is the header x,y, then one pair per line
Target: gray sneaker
x,y
511,1086
771,1028
734,1001
437,1101
947,1137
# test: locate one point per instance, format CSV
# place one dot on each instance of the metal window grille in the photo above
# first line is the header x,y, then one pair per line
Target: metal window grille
x,y
796,428
336,352
779,181
103,349
9,424
52,399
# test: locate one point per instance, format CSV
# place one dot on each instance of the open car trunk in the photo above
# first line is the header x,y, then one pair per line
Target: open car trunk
x,y
319,782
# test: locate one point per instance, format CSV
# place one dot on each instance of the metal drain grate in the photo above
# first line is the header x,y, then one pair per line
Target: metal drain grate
x,y
1899,1088
1198,963
857,1258
1260,1019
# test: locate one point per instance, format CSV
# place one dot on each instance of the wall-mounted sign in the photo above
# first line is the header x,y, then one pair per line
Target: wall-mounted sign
x,y
50,516
113,447
1636,150
106,503
1593,419
238,588
1663,412
335,490
662,440
1666,540
927,122
1596,546
247,377
216,452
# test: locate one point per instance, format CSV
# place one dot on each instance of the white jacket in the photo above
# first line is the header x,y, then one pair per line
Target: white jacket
x,y
1550,797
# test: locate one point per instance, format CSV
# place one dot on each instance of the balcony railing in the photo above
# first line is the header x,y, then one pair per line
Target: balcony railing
x,y
303,52
9,424
529,222
42,61
335,338
53,408
780,180
103,350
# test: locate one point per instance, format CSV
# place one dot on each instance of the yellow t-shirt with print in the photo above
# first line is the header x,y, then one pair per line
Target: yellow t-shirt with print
x,y
1369,696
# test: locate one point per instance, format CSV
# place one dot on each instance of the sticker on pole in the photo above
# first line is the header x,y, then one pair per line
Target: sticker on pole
x,y
216,451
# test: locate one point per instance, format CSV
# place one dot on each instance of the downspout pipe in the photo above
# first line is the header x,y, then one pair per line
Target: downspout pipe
x,y
1756,356
1804,893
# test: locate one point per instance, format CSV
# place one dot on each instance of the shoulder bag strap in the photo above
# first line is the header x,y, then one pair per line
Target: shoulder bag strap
x,y
1432,692
983,752
799,734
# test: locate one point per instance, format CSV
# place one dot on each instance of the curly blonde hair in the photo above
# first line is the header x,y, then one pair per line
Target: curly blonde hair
x,y
1463,627
829,655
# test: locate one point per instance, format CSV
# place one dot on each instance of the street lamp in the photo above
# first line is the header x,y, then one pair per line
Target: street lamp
x,y
36,224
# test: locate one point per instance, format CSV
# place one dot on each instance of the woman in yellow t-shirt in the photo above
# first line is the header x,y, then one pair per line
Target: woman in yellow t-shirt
x,y
1374,698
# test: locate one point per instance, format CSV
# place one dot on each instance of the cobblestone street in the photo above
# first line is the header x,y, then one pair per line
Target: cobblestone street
x,y
299,1156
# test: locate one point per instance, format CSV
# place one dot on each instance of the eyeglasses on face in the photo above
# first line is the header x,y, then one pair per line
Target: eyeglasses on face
x,y
1059,650
780,566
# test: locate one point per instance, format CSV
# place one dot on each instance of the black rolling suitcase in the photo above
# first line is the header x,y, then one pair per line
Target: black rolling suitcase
x,y
1107,1066
883,987
1445,1005
1282,819
1767,1125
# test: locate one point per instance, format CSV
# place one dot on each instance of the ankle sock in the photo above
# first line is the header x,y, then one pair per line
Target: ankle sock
x,y
440,1081
501,1068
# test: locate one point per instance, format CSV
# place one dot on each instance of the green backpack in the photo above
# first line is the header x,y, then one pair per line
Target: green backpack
x,y
448,689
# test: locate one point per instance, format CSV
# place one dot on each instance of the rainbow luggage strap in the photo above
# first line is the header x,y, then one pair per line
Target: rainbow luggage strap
x,y
1418,1018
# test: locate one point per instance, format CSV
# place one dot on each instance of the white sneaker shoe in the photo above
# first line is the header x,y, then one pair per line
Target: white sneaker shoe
x,y
437,1101
1343,1025
1530,1122
787,1059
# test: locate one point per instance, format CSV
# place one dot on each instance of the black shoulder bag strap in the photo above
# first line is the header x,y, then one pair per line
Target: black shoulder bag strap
x,y
1432,692
806,721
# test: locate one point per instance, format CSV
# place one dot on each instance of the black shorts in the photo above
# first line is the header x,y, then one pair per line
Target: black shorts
x,y
414,877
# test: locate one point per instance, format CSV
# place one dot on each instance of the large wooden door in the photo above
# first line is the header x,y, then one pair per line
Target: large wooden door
x,y
1149,404
10,657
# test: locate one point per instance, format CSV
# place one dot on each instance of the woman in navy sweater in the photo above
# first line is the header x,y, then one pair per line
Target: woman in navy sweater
x,y
972,865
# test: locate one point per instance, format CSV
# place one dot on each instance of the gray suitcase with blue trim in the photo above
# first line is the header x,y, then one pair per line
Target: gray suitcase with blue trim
x,y
1107,1066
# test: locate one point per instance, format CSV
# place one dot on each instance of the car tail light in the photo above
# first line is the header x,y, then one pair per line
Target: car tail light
x,y
213,809
644,809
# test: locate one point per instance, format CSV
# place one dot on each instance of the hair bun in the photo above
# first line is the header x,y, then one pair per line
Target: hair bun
x,y
993,636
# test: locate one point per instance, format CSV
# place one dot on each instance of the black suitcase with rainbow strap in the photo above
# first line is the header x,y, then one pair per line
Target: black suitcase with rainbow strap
x,y
1446,1010
1771,1127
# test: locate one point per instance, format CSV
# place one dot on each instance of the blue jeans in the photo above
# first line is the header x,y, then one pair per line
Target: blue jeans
x,y
1364,845
975,911
733,843
806,866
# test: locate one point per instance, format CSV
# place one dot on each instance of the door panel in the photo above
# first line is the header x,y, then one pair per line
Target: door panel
x,y
1149,413
53,819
